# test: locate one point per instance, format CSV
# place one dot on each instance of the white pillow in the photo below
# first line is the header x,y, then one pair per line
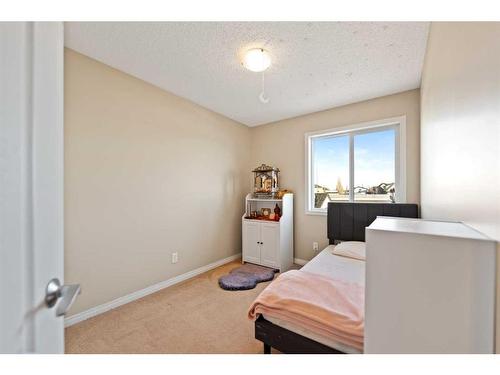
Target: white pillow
x,y
351,249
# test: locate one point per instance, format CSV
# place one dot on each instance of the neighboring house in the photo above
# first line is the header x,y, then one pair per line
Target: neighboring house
x,y
360,190
383,188
320,189
320,199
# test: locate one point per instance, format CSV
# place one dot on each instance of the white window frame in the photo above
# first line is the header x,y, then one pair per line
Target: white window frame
x,y
396,123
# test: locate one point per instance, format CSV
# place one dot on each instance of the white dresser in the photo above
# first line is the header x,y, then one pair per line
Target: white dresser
x,y
268,243
430,287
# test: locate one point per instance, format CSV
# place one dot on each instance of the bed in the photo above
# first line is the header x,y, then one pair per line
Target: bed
x,y
345,222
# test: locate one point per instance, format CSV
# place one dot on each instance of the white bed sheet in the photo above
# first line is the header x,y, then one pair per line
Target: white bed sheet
x,y
334,266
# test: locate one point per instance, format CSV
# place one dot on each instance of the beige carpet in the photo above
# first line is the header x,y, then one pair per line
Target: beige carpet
x,y
195,316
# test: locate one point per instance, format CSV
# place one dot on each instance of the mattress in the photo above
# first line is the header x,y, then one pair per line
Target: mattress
x,y
334,266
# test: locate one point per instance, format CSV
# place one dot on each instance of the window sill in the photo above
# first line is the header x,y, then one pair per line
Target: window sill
x,y
316,213
324,212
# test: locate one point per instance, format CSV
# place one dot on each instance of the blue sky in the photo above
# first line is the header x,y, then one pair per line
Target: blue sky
x,y
373,159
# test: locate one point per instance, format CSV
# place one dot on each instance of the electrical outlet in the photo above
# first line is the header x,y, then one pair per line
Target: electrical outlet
x,y
175,257
315,246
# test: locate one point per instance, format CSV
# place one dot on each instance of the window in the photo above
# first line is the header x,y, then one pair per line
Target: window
x,y
359,163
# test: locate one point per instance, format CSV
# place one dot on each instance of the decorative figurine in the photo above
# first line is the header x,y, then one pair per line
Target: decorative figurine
x,y
277,210
266,181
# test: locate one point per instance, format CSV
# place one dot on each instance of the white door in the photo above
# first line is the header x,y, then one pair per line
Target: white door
x,y
269,245
251,242
31,187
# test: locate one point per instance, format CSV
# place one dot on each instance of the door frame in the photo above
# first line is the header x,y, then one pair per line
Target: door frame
x,y
31,184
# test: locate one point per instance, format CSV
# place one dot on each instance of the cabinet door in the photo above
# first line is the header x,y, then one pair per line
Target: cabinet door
x,y
251,242
269,254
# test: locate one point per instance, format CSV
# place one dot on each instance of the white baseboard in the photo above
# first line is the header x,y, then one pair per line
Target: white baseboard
x,y
300,262
77,318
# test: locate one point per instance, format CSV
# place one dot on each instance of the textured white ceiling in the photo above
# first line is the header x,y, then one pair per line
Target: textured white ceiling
x,y
316,65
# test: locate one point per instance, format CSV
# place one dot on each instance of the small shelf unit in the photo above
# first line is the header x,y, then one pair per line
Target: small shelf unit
x,y
266,242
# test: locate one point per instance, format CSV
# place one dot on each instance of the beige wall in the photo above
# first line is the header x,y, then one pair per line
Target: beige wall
x,y
146,174
282,144
460,152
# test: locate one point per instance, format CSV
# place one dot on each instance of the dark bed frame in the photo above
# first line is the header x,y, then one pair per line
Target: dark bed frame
x,y
345,222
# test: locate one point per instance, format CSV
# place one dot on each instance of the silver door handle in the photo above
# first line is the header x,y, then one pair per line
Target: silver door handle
x,y
65,293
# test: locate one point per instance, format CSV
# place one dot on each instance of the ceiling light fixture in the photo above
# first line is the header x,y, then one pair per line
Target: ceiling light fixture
x,y
257,60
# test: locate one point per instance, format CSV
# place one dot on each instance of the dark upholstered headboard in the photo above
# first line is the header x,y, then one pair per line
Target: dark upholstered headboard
x,y
347,221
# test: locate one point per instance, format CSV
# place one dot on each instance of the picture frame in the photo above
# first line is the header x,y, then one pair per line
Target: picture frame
x,y
265,212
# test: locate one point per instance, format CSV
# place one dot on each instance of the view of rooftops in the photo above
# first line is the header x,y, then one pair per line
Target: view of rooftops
x,y
372,168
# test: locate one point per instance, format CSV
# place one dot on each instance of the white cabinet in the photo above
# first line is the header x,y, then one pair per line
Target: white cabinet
x,y
269,243
261,243
430,287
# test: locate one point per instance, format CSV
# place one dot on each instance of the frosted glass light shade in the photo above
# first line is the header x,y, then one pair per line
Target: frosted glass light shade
x,y
257,60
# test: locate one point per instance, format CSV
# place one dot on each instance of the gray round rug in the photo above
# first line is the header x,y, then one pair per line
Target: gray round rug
x,y
246,277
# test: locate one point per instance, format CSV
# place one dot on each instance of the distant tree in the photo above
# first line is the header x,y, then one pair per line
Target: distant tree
x,y
340,188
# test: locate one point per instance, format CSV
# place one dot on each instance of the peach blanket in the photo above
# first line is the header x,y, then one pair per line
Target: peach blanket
x,y
330,308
